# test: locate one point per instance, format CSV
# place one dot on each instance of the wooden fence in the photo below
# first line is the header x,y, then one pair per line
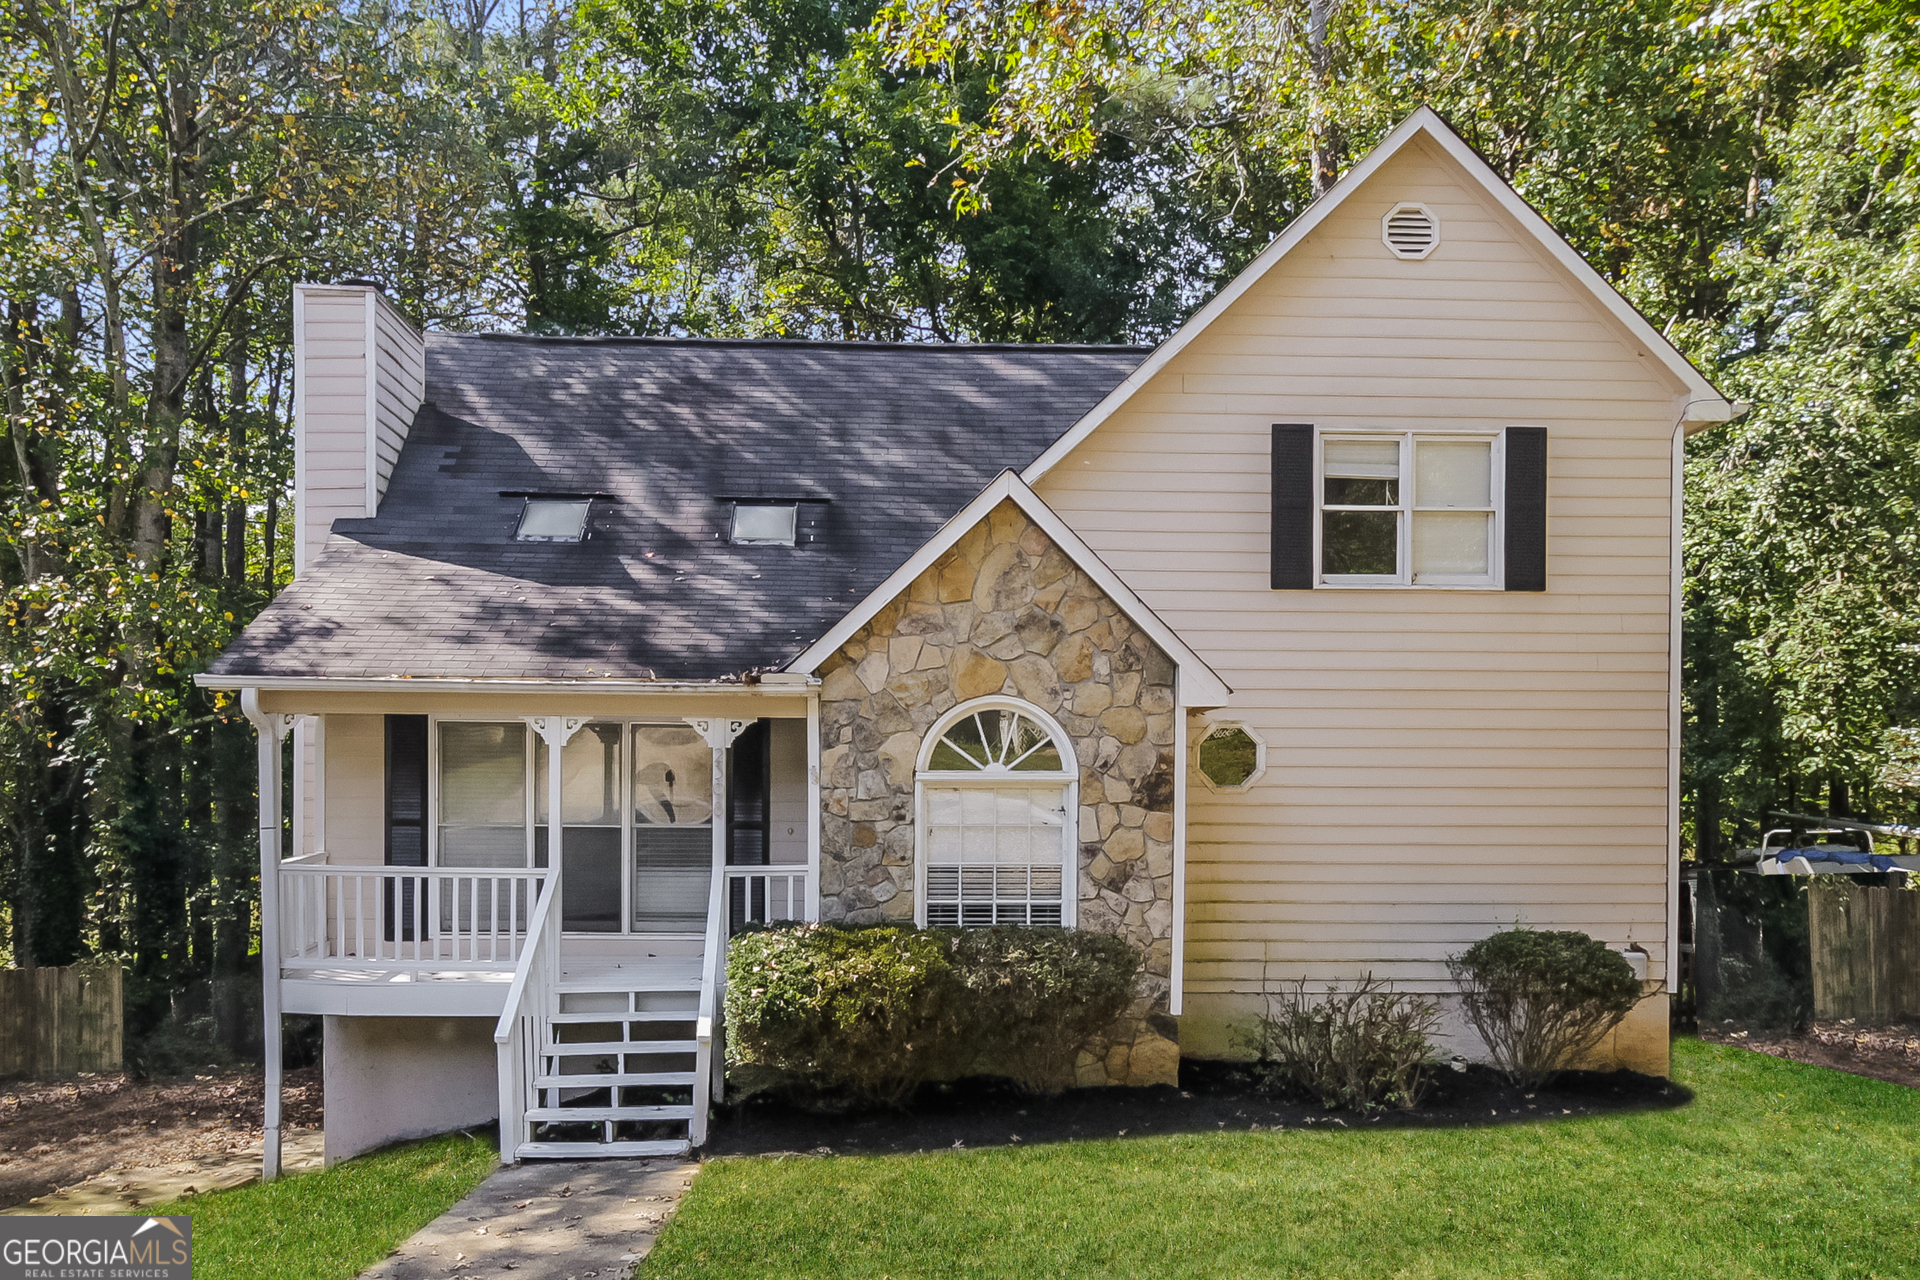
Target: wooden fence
x,y
1866,950
56,1022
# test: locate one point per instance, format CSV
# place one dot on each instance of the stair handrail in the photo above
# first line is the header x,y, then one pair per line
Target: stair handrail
x,y
707,1018
530,955
531,977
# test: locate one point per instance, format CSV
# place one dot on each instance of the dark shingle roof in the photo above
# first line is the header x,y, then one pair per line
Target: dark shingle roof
x,y
897,437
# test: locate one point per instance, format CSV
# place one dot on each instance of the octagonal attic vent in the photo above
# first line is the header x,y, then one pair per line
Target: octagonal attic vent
x,y
1410,230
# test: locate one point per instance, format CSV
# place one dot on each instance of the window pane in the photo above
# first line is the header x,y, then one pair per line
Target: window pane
x,y
483,795
763,523
1360,542
553,520
1450,543
1368,459
1362,493
589,777
672,776
672,872
1453,473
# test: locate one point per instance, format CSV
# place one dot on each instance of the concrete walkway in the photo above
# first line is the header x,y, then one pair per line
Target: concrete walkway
x,y
547,1220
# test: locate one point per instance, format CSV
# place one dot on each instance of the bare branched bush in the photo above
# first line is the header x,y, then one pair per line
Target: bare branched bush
x,y
1360,1048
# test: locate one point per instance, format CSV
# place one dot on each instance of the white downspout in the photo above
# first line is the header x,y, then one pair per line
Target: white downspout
x,y
1177,964
271,731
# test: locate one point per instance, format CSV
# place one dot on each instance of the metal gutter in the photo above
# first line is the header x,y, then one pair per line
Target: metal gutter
x,y
456,684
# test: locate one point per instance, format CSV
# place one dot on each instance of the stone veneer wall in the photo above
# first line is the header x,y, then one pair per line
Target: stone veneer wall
x,y
1006,612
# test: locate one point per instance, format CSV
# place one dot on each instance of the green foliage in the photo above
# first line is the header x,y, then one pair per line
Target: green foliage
x,y
868,1013
1540,999
1033,996
331,1224
828,1009
1359,1048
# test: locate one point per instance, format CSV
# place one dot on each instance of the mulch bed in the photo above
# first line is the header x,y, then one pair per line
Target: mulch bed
x,y
1889,1053
1212,1097
59,1132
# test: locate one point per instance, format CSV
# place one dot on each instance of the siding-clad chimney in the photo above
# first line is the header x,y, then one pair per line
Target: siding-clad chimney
x,y
359,373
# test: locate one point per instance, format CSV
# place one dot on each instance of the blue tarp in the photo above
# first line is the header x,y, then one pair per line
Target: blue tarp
x,y
1845,857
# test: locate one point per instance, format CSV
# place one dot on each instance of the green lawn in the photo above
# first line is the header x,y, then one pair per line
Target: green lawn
x,y
331,1224
1777,1170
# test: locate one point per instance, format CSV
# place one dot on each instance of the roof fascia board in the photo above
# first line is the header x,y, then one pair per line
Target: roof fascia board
x,y
454,684
1705,403
1201,686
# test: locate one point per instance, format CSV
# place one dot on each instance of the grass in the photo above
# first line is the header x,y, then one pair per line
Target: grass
x,y
1776,1170
330,1224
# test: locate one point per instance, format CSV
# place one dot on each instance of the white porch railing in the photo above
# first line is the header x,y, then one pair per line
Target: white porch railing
x,y
762,895
516,1036
391,918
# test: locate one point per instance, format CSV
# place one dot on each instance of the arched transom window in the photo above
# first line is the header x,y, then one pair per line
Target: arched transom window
x,y
996,782
994,739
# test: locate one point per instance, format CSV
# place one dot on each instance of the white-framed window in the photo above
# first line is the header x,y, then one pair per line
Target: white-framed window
x,y
1230,756
1408,508
636,803
996,791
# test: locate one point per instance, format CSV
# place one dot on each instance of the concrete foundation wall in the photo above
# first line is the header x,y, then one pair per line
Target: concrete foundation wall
x,y
389,1079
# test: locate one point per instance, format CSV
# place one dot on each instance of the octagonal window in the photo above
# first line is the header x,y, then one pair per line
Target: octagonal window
x,y
1230,757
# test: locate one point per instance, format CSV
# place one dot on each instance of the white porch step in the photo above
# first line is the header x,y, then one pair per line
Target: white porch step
x,y
550,1115
603,1048
599,1150
613,977
633,1078
614,1015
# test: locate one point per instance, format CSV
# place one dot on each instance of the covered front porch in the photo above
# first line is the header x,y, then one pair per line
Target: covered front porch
x,y
411,870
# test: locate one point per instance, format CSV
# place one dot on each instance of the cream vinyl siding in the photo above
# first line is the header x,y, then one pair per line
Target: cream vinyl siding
x,y
356,791
401,384
1440,763
359,374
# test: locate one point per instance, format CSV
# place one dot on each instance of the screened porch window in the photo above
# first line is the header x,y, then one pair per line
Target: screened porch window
x,y
995,794
636,804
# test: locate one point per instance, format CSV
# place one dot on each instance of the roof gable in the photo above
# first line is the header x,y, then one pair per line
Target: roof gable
x,y
1701,404
1200,685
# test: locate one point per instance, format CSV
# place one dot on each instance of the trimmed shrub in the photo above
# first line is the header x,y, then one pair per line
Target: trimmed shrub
x,y
835,1013
1360,1048
866,1013
1034,996
1541,999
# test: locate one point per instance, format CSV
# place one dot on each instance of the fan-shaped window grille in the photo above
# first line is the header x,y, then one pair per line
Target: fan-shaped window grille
x,y
995,740
1410,230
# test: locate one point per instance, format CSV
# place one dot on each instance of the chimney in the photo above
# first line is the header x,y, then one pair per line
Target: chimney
x,y
359,374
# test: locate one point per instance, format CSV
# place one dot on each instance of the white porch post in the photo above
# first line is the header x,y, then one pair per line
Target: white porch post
x,y
556,732
719,735
813,804
272,730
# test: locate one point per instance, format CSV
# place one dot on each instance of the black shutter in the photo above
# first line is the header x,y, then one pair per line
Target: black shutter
x,y
406,791
1291,554
1526,509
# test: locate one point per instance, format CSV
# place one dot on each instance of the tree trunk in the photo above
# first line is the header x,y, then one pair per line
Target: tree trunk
x,y
1327,138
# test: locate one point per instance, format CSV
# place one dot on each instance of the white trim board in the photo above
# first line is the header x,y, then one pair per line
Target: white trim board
x,y
1700,405
1202,685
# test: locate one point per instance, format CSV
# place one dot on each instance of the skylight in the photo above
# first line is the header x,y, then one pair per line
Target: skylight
x,y
553,520
764,524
